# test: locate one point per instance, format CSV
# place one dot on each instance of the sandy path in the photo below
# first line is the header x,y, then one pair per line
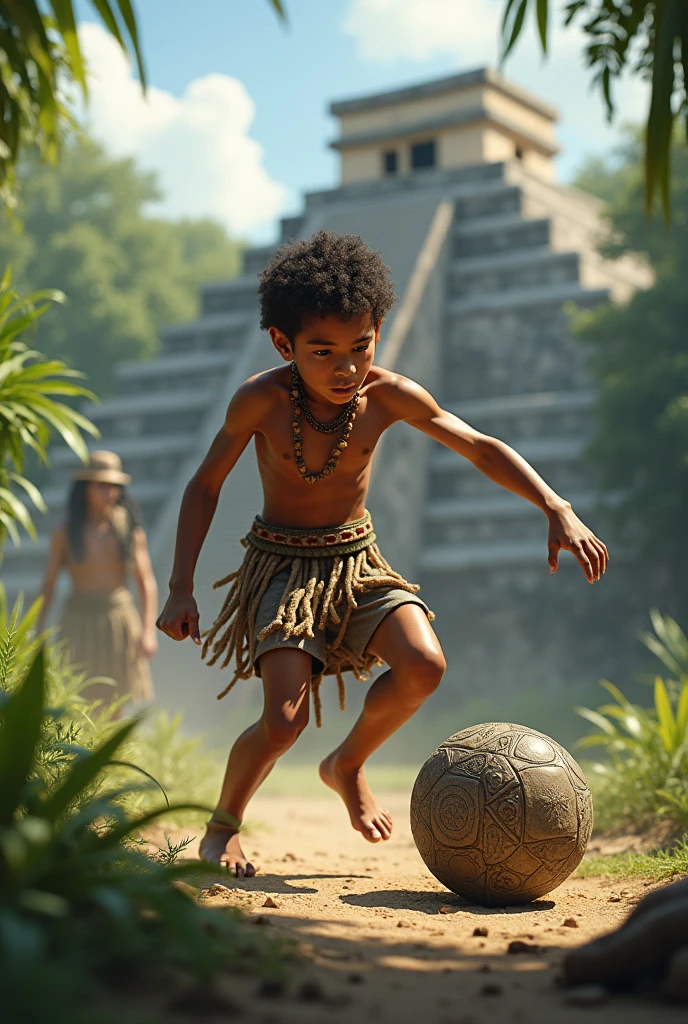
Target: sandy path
x,y
378,945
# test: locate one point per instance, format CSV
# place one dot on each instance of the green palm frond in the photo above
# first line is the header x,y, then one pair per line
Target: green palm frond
x,y
29,412
649,38
39,48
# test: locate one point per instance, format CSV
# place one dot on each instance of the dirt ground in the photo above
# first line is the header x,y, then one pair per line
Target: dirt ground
x,y
382,940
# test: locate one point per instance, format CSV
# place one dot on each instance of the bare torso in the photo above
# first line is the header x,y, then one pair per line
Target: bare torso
x,y
340,497
102,569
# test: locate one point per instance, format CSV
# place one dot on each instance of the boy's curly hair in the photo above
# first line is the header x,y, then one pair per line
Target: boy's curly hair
x,y
326,275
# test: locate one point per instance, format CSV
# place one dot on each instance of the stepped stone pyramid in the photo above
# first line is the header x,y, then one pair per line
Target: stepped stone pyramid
x,y
453,181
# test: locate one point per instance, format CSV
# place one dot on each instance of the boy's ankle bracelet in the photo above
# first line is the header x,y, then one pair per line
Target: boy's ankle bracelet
x,y
213,823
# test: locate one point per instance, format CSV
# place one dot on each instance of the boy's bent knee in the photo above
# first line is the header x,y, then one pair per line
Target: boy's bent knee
x,y
422,671
282,731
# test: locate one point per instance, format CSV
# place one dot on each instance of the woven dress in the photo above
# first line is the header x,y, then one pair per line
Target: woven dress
x,y
103,631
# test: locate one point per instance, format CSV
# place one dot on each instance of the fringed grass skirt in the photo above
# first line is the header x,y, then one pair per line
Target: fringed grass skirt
x,y
104,630
324,592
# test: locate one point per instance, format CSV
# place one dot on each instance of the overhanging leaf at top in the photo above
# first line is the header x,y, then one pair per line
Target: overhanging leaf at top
x,y
649,38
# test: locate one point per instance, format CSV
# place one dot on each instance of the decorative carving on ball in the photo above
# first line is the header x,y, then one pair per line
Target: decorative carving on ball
x,y
501,814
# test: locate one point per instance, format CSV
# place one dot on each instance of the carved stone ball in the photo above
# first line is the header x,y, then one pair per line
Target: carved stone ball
x,y
501,814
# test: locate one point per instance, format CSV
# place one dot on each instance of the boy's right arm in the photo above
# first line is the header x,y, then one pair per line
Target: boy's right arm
x,y
179,617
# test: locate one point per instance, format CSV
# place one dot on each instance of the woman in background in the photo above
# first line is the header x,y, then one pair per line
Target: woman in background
x,y
101,541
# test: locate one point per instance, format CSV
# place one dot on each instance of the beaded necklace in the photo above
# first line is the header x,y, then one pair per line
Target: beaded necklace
x,y
345,420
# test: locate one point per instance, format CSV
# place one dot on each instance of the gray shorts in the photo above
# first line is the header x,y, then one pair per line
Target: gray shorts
x,y
373,606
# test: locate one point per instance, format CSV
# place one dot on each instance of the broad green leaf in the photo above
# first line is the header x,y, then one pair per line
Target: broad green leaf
x,y
599,720
682,713
10,526
616,694
665,716
660,122
279,8
31,490
542,16
516,27
66,23
20,726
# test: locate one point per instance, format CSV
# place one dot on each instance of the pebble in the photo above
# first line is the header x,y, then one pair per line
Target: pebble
x,y
262,919
355,979
586,995
447,909
271,903
216,890
569,922
482,931
491,990
518,946
613,898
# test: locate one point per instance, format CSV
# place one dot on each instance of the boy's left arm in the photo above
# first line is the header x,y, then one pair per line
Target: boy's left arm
x,y
410,402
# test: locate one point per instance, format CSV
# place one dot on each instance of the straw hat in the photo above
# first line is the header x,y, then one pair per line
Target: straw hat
x,y
103,467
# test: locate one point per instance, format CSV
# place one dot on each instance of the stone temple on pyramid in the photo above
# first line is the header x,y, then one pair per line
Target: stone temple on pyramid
x,y
454,181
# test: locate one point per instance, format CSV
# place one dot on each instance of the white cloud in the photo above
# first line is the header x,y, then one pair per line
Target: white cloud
x,y
198,143
468,30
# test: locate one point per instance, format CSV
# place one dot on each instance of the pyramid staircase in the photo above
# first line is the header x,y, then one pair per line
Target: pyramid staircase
x,y
481,322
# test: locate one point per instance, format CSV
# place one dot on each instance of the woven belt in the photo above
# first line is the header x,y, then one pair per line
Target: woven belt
x,y
312,543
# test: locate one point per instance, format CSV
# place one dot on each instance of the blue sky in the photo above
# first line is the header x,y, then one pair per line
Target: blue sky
x,y
290,73
227,75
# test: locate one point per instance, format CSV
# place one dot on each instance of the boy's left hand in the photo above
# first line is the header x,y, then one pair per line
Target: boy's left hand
x,y
568,533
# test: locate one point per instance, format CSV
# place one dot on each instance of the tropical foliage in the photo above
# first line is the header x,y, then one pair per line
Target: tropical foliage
x,y
646,774
646,37
86,230
29,411
639,360
82,908
39,53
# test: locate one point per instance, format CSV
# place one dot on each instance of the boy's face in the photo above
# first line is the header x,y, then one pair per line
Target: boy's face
x,y
333,356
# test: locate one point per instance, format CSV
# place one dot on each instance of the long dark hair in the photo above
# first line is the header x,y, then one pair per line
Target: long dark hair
x,y
123,524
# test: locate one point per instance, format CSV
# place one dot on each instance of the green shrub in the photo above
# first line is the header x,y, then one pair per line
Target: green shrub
x,y
646,774
80,905
180,766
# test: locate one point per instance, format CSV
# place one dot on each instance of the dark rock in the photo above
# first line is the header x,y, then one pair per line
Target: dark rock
x,y
519,946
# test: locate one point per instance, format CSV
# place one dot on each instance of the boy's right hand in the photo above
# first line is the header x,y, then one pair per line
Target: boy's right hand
x,y
179,618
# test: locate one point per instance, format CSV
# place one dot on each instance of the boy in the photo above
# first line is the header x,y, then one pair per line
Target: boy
x,y
314,595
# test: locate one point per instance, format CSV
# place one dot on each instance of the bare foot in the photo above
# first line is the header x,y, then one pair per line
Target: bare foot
x,y
220,845
367,817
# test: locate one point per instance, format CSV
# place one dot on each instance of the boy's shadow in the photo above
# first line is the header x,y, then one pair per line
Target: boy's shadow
x,y
425,902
